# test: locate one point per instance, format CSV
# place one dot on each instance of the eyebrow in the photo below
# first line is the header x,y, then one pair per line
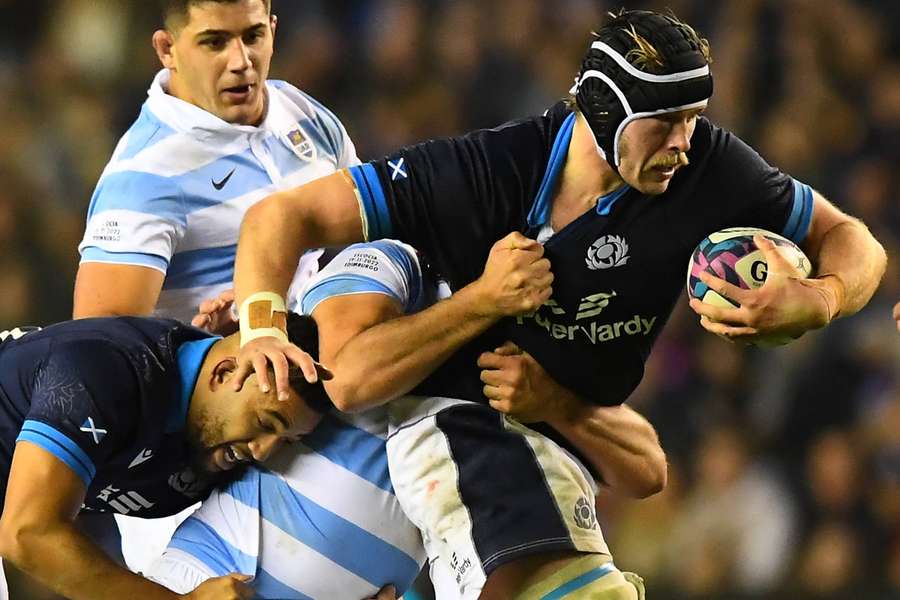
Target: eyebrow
x,y
279,417
213,32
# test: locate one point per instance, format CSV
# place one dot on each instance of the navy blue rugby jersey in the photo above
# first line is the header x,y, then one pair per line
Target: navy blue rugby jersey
x,y
619,268
109,398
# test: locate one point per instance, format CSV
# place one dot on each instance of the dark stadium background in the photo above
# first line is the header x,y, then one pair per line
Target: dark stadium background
x,y
784,464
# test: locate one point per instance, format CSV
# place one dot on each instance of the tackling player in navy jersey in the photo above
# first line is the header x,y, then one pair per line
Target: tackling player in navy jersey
x,y
619,185
132,416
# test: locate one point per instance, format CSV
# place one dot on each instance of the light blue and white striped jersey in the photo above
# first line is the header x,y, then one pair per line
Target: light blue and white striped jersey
x,y
180,180
320,519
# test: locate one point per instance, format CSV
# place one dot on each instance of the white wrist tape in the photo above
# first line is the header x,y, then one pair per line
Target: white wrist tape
x,y
263,314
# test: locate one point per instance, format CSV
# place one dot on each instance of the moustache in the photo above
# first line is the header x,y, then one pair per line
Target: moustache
x,y
678,160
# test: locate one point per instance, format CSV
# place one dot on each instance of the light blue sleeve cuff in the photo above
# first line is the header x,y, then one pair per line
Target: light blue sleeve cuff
x,y
95,254
344,285
60,446
798,222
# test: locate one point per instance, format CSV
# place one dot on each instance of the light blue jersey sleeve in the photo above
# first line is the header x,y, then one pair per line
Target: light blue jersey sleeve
x,y
385,267
136,215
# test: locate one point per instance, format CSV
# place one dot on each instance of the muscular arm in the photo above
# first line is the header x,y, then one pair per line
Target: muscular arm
x,y
104,290
38,535
620,443
277,230
848,258
377,353
617,441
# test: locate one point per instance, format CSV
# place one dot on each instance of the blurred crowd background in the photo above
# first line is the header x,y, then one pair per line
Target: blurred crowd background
x,y
784,463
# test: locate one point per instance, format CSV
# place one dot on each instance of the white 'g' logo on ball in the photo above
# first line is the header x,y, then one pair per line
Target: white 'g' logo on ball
x,y
607,252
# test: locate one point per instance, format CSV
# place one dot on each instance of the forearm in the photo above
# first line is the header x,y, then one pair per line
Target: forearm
x,y
269,248
62,558
619,443
277,230
853,261
389,359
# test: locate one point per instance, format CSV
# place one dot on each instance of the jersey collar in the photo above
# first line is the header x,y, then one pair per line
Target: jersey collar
x,y
190,359
185,117
540,211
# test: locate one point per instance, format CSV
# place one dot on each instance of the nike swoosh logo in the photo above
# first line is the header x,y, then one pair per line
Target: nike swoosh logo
x,y
143,456
220,184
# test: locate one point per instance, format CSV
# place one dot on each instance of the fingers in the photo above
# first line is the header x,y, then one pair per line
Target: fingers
x,y
388,592
517,241
282,374
724,289
508,349
227,297
495,378
498,393
729,332
775,260
492,360
305,362
721,314
261,368
201,320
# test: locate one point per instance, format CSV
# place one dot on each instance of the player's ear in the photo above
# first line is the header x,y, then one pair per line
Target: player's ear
x,y
164,44
273,22
223,371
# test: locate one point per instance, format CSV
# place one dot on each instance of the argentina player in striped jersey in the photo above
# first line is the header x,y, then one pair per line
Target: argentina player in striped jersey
x,y
213,137
382,331
617,185
128,415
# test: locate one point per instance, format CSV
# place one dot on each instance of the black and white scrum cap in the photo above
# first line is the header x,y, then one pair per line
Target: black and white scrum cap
x,y
611,91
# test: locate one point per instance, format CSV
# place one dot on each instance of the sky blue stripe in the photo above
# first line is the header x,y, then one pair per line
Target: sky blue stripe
x,y
247,175
797,206
58,444
606,202
267,586
797,225
341,285
139,192
578,582
352,547
401,258
129,258
540,210
201,541
206,266
330,123
146,131
356,450
190,358
374,204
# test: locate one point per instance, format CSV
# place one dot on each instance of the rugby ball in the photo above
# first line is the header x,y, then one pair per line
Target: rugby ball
x,y
732,255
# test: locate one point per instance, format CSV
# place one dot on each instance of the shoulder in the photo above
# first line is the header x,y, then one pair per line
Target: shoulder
x,y
386,267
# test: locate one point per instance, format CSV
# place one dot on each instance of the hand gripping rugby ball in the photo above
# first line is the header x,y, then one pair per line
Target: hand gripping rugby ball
x,y
732,255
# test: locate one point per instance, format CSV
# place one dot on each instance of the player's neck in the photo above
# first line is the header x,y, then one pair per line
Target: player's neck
x,y
585,178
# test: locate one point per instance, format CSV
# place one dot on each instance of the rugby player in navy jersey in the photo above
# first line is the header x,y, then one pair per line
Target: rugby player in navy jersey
x,y
126,415
619,185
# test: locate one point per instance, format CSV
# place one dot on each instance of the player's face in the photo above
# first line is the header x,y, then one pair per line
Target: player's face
x,y
220,59
248,426
652,149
